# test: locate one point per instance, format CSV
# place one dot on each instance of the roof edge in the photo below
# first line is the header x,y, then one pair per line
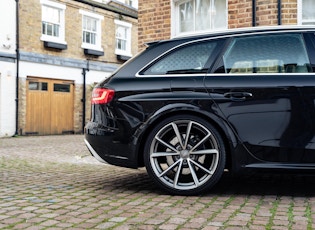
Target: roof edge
x,y
249,29
109,8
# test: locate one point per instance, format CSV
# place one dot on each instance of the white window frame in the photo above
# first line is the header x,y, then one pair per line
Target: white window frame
x,y
62,8
128,27
300,14
98,39
175,19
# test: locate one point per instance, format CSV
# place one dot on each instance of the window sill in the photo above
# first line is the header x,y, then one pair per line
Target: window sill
x,y
123,57
93,52
55,45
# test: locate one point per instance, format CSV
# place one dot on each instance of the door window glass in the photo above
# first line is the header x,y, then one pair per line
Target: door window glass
x,y
42,86
189,59
62,88
267,54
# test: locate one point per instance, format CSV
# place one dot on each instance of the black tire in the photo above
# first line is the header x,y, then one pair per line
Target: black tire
x,y
180,165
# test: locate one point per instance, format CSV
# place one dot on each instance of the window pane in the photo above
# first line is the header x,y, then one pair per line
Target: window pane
x,y
44,28
87,37
93,38
93,25
49,29
218,14
88,24
89,30
33,85
51,14
308,13
43,86
201,15
188,59
51,21
121,44
186,16
121,38
62,88
121,32
267,54
56,30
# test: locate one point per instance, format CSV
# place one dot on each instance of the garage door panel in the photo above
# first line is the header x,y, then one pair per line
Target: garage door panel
x,y
38,104
49,107
62,107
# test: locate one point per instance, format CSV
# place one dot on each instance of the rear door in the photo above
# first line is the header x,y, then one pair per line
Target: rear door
x,y
262,94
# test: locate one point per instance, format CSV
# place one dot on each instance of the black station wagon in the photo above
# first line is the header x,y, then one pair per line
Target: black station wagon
x,y
190,108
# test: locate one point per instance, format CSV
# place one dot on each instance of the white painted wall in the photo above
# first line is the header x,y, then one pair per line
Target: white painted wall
x,y
7,26
7,69
7,99
60,72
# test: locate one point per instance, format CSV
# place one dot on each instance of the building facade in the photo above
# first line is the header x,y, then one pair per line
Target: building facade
x,y
8,68
63,48
163,19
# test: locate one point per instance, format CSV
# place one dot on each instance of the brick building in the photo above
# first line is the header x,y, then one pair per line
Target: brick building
x,y
163,19
59,50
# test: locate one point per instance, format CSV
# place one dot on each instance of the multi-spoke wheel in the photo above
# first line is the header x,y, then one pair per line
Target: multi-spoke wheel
x,y
185,155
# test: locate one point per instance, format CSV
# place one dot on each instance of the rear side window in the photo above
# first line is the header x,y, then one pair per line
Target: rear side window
x,y
191,58
285,53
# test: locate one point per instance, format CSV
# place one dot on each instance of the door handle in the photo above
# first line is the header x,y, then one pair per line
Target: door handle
x,y
238,96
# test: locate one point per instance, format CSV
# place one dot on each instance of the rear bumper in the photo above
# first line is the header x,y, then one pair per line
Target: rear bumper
x,y
93,152
110,146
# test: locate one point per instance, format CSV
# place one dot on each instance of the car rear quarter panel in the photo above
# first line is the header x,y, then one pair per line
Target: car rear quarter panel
x,y
154,99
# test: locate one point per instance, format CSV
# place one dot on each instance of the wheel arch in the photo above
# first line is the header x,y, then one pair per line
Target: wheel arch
x,y
218,123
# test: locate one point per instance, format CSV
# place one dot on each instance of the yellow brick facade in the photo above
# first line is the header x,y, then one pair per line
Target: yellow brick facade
x,y
31,45
30,30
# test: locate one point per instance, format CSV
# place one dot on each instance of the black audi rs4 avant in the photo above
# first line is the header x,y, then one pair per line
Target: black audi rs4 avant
x,y
189,108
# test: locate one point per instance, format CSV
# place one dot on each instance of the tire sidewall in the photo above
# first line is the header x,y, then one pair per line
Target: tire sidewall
x,y
220,166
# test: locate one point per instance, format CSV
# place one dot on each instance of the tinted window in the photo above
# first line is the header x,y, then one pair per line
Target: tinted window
x,y
284,53
191,58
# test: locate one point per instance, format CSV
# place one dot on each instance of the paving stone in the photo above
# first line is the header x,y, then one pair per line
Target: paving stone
x,y
44,185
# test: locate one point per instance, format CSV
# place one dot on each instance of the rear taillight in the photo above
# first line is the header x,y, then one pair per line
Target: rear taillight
x,y
102,96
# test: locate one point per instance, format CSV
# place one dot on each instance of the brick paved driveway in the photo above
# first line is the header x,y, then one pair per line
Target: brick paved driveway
x,y
52,182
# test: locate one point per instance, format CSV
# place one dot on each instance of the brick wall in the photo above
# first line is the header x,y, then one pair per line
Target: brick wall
x,y
154,21
155,16
22,105
239,13
266,12
289,12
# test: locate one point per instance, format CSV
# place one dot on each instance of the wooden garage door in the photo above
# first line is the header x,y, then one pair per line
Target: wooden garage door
x,y
49,106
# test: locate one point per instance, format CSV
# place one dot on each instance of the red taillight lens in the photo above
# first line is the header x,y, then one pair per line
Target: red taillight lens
x,y
102,96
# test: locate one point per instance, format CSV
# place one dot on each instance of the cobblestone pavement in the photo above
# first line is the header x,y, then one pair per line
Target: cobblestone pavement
x,y
52,182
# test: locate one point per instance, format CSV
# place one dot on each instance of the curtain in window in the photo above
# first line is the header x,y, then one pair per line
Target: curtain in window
x,y
202,15
308,12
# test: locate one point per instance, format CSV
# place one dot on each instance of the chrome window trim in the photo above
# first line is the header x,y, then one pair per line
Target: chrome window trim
x,y
227,34
257,74
226,75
